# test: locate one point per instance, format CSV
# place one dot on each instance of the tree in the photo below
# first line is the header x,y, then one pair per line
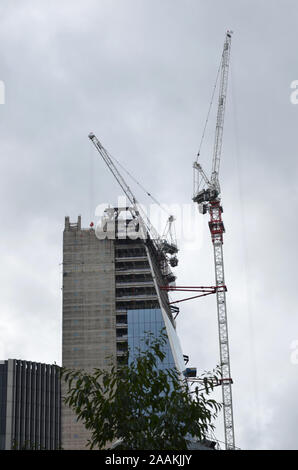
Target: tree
x,y
140,404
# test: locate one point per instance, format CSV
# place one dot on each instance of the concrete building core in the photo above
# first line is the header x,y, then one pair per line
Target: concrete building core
x,y
111,297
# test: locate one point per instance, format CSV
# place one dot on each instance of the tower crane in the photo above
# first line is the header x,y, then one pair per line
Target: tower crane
x,y
167,250
207,196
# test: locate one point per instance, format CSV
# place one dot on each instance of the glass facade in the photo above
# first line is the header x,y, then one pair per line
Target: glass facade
x,y
174,343
142,321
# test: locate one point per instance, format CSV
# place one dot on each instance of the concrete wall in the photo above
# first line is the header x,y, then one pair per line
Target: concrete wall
x,y
89,320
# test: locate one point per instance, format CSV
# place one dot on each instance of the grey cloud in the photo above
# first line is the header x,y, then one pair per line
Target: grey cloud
x,y
139,74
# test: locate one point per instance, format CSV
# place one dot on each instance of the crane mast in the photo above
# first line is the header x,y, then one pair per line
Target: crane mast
x,y
209,201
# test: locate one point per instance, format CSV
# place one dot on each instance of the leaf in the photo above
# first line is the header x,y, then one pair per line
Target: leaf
x,y
144,406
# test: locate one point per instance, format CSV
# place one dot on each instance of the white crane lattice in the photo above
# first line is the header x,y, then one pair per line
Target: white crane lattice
x,y
207,192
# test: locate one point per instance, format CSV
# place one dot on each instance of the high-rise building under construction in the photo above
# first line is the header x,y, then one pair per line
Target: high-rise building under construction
x,y
111,298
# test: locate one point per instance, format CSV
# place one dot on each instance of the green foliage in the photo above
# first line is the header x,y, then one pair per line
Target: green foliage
x,y
143,406
26,445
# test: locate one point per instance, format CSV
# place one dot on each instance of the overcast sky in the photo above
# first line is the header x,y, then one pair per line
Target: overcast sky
x,y
140,74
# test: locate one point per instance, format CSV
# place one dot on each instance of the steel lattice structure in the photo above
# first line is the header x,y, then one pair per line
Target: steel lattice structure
x,y
209,202
217,229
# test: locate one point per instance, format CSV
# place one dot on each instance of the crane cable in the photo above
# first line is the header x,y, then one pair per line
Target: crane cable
x,y
209,110
139,184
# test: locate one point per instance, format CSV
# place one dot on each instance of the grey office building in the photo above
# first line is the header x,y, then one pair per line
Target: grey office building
x,y
30,405
111,297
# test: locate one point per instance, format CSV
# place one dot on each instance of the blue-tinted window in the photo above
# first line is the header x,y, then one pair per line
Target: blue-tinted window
x,y
140,322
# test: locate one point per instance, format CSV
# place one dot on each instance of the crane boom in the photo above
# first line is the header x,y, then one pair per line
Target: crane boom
x,y
135,205
107,159
211,189
221,112
167,250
